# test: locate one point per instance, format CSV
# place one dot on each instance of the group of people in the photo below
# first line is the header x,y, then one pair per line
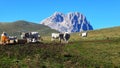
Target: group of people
x,y
4,38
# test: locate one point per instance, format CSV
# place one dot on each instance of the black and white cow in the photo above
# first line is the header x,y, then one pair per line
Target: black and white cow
x,y
61,36
31,36
12,39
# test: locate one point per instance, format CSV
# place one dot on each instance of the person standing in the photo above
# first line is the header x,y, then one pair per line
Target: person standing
x,y
4,38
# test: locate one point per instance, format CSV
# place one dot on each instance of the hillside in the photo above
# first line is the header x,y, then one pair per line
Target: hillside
x,y
100,49
14,28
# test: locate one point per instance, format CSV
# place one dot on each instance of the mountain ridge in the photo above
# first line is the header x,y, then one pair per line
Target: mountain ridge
x,y
70,22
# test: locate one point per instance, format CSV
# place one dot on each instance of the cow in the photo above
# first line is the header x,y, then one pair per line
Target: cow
x,y
84,34
31,36
12,39
54,36
61,36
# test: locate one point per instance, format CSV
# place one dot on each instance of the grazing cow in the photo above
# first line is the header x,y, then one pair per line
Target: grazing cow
x,y
84,34
12,39
61,36
55,36
31,36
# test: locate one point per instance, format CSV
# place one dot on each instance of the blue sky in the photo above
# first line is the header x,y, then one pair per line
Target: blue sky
x,y
100,13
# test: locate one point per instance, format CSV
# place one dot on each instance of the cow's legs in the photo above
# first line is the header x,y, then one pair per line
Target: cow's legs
x,y
60,40
66,41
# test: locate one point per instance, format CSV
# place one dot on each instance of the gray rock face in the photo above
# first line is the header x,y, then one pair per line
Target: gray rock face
x,y
71,22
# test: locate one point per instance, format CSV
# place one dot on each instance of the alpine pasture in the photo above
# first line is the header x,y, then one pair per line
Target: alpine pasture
x,y
100,49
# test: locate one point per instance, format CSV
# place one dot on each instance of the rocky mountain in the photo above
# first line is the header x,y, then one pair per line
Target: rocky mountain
x,y
71,22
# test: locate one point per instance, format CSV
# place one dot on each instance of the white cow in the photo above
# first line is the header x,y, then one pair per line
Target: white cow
x,y
61,36
54,36
84,34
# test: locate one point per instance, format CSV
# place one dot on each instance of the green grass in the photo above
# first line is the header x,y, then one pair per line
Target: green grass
x,y
96,54
100,49
78,54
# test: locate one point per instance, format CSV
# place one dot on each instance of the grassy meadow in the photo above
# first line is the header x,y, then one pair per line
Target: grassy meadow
x,y
100,49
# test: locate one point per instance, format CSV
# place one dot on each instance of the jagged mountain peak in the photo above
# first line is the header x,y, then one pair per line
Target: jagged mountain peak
x,y
58,13
74,13
57,17
70,22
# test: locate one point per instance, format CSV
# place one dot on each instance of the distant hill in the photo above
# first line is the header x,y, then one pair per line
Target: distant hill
x,y
71,22
15,28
